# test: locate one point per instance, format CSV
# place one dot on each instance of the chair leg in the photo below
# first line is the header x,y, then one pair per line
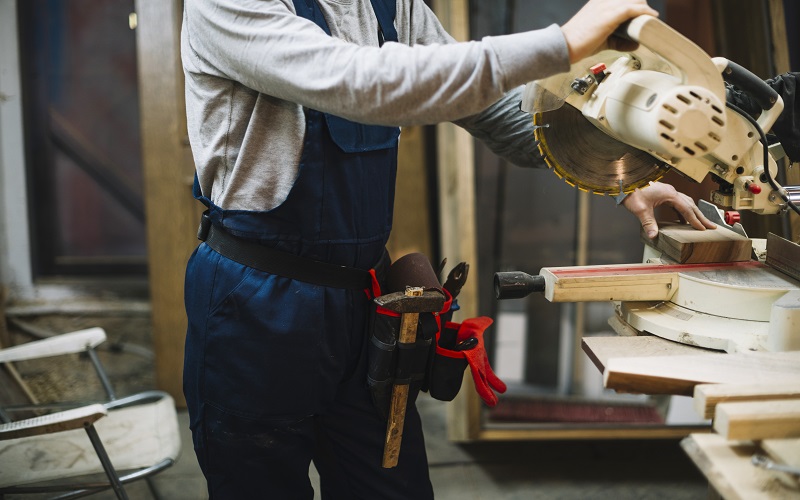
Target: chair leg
x,y
116,485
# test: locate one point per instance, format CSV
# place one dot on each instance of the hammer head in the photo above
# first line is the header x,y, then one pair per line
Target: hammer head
x,y
428,301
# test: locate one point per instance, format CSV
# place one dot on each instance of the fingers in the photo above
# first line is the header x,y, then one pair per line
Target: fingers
x,y
596,21
642,203
687,208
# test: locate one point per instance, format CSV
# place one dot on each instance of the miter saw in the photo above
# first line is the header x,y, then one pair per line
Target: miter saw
x,y
620,120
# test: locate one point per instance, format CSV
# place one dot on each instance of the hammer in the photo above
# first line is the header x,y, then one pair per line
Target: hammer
x,y
409,304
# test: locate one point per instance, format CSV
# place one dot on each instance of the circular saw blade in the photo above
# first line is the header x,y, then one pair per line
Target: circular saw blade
x,y
586,157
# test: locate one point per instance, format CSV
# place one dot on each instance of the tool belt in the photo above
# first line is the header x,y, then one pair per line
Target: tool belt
x,y
278,262
436,360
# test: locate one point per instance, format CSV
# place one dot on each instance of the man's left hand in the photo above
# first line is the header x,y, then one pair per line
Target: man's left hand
x,y
642,204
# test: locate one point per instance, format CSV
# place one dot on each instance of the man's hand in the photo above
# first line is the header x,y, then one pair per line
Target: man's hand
x,y
591,27
642,204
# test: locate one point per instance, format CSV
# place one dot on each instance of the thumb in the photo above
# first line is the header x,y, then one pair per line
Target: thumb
x,y
649,224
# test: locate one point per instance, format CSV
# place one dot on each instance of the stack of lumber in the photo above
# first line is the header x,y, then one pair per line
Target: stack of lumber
x,y
749,420
752,398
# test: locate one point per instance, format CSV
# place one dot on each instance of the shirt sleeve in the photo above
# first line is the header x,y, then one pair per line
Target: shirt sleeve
x,y
503,127
506,130
266,47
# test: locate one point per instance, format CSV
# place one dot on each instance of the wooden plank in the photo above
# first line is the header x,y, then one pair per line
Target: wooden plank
x,y
411,226
624,282
686,245
783,255
172,214
707,396
783,451
457,225
728,469
601,349
756,420
780,43
606,283
679,374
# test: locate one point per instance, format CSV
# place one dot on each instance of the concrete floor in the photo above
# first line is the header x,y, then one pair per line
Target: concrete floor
x,y
580,470
563,470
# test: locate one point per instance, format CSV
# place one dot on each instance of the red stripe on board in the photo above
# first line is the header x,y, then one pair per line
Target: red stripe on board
x,y
622,269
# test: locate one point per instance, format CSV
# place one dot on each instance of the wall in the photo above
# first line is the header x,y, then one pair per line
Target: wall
x,y
15,264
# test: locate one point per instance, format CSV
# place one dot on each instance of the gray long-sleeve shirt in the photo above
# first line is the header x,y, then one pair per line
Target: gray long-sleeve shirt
x,y
251,66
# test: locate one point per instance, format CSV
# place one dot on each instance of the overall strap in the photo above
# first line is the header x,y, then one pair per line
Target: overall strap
x,y
385,11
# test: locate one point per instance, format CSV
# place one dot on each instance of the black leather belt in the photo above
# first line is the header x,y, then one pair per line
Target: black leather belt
x,y
278,262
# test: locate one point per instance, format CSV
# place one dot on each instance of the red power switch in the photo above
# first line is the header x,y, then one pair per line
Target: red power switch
x,y
599,71
752,187
732,217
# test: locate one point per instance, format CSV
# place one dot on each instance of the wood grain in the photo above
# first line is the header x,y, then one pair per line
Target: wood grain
x,y
686,245
171,211
756,420
680,374
455,155
783,255
783,451
728,469
604,283
708,396
601,349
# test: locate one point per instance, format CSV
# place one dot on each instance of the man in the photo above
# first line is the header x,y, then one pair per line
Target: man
x,y
293,112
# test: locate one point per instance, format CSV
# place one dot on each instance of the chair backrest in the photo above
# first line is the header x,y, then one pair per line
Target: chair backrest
x,y
139,434
66,343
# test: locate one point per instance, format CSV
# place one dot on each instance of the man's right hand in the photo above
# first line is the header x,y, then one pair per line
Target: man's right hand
x,y
590,28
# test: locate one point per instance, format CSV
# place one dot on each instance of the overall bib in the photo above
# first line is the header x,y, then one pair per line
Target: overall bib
x,y
275,368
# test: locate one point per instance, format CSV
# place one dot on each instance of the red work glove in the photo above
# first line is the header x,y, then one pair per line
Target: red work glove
x,y
482,374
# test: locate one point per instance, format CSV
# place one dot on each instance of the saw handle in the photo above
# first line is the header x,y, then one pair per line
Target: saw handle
x,y
759,90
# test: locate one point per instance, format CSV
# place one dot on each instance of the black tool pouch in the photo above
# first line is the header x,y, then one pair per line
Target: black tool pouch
x,y
446,369
384,328
389,361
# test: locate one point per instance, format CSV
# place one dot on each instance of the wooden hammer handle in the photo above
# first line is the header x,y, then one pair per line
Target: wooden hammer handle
x,y
397,411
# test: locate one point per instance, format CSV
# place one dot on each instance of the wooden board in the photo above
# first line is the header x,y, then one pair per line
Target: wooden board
x,y
756,420
601,349
783,255
707,396
727,467
171,211
783,451
680,374
455,155
686,245
626,282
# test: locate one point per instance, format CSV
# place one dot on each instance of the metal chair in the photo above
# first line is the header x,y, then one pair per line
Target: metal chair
x,y
137,434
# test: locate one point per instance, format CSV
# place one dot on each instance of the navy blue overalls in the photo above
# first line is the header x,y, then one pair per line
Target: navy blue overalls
x,y
275,368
